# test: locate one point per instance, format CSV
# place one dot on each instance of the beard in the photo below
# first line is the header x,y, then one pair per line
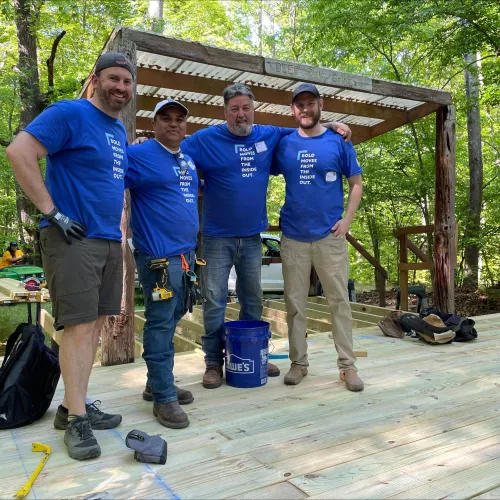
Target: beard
x,y
241,129
107,99
314,119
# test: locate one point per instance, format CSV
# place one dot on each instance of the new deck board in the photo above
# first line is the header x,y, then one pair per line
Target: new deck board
x,y
426,426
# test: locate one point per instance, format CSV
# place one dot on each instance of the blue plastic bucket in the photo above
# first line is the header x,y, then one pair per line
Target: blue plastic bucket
x,y
247,348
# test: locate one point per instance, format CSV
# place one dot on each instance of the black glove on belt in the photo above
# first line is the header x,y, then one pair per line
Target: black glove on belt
x,y
68,227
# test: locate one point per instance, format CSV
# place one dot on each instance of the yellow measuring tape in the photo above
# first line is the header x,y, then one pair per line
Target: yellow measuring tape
x,y
27,487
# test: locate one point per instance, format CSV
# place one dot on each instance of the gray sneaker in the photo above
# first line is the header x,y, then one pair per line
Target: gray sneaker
x,y
98,420
80,440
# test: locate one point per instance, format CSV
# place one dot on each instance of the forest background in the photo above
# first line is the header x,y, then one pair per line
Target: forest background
x,y
48,47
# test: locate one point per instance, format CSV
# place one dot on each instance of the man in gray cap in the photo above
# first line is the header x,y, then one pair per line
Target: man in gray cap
x,y
164,193
81,199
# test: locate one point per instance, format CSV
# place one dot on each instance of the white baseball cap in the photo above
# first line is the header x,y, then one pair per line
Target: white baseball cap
x,y
169,102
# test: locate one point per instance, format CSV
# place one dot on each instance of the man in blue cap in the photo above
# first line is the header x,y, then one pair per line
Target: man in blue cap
x,y
164,194
82,200
235,158
313,161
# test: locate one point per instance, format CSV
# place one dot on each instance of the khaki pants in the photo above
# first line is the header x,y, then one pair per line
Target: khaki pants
x,y
329,258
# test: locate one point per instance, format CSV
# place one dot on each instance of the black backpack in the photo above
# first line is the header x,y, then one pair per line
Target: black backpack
x,y
28,376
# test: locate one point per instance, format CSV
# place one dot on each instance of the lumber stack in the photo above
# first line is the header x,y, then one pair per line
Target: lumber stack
x,y
318,313
13,291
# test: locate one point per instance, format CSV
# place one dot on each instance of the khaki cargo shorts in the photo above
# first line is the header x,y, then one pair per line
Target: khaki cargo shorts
x,y
84,279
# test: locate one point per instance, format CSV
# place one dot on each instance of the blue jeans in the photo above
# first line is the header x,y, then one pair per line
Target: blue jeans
x,y
161,319
221,254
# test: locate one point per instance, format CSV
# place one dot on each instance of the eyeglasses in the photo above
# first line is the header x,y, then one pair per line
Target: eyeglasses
x,y
183,164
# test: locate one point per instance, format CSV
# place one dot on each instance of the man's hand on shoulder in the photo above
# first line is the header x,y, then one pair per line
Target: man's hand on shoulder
x,y
140,140
341,228
341,129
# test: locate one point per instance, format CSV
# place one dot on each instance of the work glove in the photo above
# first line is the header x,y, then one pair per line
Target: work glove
x,y
68,227
148,449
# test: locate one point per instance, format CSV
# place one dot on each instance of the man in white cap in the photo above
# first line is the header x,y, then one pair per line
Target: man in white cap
x,y
82,200
164,190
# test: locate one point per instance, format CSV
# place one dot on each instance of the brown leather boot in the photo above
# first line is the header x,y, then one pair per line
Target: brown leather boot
x,y
295,374
352,380
183,396
212,377
170,415
272,370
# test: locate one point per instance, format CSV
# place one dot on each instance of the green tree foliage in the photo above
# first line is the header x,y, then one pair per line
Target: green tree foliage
x,y
419,42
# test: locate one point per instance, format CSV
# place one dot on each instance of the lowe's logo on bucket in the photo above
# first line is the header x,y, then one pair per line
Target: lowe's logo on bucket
x,y
238,365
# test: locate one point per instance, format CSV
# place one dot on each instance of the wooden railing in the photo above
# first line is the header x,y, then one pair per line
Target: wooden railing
x,y
404,266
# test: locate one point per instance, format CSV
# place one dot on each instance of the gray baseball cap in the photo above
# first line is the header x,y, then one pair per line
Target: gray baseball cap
x,y
114,60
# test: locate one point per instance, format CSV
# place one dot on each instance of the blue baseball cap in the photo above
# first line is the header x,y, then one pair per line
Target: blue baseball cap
x,y
305,87
169,102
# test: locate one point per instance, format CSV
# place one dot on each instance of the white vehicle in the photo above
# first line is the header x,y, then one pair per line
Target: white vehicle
x,y
271,272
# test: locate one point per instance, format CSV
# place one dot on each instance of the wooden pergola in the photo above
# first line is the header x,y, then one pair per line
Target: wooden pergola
x,y
196,74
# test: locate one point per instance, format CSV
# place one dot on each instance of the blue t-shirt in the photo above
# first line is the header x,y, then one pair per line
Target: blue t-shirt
x,y
313,168
236,174
86,164
164,218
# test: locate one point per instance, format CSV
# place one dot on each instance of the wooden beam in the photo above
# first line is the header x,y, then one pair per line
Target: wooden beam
x,y
444,236
358,132
417,251
361,249
190,83
117,342
396,122
193,51
217,112
414,230
327,76
416,266
394,89
403,273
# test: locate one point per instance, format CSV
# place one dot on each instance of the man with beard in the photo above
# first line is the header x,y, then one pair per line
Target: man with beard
x,y
235,158
313,161
164,193
82,200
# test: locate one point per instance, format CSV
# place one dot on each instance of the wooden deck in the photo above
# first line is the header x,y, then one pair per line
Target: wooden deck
x,y
427,426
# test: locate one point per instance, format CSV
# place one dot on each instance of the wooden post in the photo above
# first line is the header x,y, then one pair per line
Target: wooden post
x,y
381,288
444,235
403,273
117,339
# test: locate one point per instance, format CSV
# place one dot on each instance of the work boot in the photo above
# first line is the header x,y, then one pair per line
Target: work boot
x,y
80,439
183,396
295,374
98,420
352,380
212,377
170,415
272,370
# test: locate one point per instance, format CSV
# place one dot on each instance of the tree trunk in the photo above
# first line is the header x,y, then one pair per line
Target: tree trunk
x,y
473,225
27,13
155,11
118,340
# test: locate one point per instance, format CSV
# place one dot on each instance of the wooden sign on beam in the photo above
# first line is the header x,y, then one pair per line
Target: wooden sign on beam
x,y
324,76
